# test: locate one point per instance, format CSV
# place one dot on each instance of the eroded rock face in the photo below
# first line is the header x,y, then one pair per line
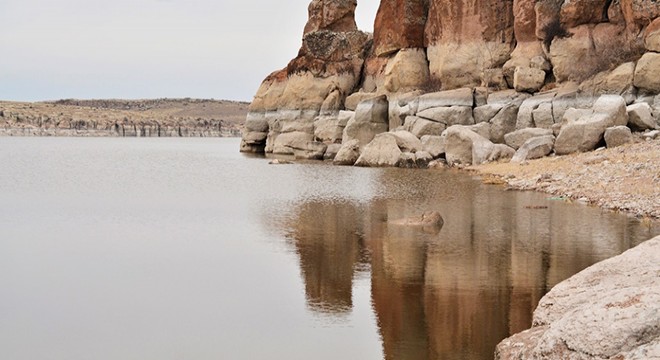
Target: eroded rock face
x,y
608,311
327,69
464,38
399,25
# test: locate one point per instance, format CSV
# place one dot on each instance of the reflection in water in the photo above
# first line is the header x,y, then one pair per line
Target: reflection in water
x,y
453,294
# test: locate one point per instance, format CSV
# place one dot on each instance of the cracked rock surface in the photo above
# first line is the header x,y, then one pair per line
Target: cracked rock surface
x,y
610,310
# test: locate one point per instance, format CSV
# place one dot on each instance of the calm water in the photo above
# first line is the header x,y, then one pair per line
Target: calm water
x,y
186,249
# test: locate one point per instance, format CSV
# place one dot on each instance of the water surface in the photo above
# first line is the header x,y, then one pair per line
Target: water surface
x,y
186,249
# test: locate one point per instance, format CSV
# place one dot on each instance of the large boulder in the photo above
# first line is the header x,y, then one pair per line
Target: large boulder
x,y
503,123
457,97
407,142
587,132
534,148
354,99
453,115
607,311
617,136
640,117
382,151
348,153
527,79
407,70
464,146
646,73
517,138
652,36
329,128
402,106
434,145
421,127
371,118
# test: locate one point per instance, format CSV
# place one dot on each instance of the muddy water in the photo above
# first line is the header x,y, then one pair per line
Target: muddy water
x,y
183,248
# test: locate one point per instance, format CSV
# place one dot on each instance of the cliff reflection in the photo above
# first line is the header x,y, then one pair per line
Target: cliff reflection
x,y
456,293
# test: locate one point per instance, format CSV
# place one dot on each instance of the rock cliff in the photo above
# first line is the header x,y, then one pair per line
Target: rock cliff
x,y
491,66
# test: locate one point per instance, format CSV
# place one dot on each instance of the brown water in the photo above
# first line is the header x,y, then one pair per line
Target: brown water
x,y
185,249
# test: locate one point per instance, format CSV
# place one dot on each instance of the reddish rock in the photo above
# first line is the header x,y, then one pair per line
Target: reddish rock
x,y
399,24
578,12
337,16
524,20
466,38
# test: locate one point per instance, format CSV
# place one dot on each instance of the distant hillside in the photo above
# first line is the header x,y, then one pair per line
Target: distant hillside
x,y
116,117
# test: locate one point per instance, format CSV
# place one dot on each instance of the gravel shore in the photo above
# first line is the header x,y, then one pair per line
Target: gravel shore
x,y
625,178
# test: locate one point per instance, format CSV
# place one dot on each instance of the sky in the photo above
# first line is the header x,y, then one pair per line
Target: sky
x,y
139,49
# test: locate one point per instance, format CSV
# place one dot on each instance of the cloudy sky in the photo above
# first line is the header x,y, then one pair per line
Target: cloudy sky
x,y
134,49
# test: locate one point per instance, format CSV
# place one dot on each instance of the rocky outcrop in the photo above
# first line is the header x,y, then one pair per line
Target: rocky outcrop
x,y
327,69
608,311
494,67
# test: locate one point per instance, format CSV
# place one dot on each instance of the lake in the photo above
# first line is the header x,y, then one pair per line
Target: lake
x,y
124,248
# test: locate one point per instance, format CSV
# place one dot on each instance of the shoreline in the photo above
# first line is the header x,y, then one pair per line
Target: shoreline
x,y
624,179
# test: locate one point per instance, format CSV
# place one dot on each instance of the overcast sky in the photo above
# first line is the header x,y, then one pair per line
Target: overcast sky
x,y
133,49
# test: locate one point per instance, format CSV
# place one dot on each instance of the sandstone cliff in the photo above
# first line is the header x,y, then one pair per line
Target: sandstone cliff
x,y
495,66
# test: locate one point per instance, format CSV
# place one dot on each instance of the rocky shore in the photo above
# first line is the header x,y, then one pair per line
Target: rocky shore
x,y
133,118
608,311
493,86
625,178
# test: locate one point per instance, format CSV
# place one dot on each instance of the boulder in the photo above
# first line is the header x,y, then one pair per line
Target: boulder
x,y
517,138
587,132
607,311
329,129
434,145
382,151
578,12
503,123
402,106
284,144
454,115
617,136
354,99
486,113
311,150
614,106
543,116
457,97
652,36
407,70
527,79
525,118
371,118
348,153
407,142
507,97
534,148
640,117
421,127
582,135
332,151
464,146
646,73
483,129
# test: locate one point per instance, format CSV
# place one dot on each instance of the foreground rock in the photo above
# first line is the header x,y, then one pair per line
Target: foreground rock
x,y
611,310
